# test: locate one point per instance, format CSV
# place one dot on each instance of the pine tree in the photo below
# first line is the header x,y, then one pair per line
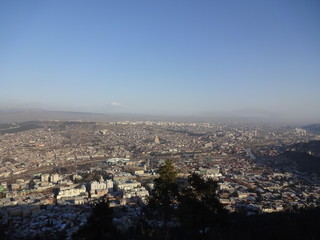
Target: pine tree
x,y
200,208
163,198
99,224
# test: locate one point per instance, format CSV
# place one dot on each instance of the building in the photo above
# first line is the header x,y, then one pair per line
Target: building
x,y
128,185
156,140
54,178
67,192
45,177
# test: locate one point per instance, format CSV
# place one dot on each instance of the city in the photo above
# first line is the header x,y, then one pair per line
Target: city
x,y
162,120
52,171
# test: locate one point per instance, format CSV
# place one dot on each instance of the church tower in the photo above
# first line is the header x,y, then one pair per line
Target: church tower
x,y
156,140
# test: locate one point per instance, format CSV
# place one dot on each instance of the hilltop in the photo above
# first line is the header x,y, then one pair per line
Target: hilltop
x,y
314,128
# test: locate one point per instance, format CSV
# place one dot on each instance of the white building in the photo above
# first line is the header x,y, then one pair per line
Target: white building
x,y
45,177
109,185
72,192
54,178
128,185
140,192
97,186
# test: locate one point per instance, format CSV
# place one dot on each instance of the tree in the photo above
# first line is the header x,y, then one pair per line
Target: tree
x,y
99,224
200,208
163,198
31,184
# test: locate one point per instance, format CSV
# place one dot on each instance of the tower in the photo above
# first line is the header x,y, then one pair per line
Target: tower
x,y
156,140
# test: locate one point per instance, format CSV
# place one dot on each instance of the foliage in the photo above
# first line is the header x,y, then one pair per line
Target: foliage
x,y
92,176
31,184
200,209
164,196
200,214
99,225
303,224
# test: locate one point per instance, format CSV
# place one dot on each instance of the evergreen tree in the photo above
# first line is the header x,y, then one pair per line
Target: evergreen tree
x,y
163,198
200,209
99,224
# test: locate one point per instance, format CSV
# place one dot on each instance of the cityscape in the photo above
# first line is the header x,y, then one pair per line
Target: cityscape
x,y
162,120
52,171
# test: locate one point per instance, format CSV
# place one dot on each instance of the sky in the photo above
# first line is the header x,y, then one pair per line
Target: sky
x,y
208,57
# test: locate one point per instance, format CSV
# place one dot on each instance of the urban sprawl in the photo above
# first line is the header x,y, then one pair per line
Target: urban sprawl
x,y
51,172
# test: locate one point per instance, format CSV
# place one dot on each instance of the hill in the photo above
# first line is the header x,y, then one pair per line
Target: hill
x,y
311,146
313,128
303,161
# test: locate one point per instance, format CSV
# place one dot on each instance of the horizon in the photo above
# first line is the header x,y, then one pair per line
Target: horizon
x,y
9,115
185,58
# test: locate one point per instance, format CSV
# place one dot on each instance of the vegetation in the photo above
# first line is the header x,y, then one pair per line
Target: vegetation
x,y
304,161
99,225
164,197
200,210
92,176
24,126
195,212
303,224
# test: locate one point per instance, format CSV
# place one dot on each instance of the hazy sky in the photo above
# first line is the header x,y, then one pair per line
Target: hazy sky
x,y
162,57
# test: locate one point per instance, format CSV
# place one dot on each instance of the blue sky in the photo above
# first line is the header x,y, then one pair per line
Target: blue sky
x,y
162,57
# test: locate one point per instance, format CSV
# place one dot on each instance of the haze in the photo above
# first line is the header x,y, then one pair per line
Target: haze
x,y
229,58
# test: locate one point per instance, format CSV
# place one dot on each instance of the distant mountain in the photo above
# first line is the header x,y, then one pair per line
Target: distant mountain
x,y
7,116
23,115
313,128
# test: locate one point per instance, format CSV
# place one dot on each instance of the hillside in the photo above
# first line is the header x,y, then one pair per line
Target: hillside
x,y
313,146
304,161
313,128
